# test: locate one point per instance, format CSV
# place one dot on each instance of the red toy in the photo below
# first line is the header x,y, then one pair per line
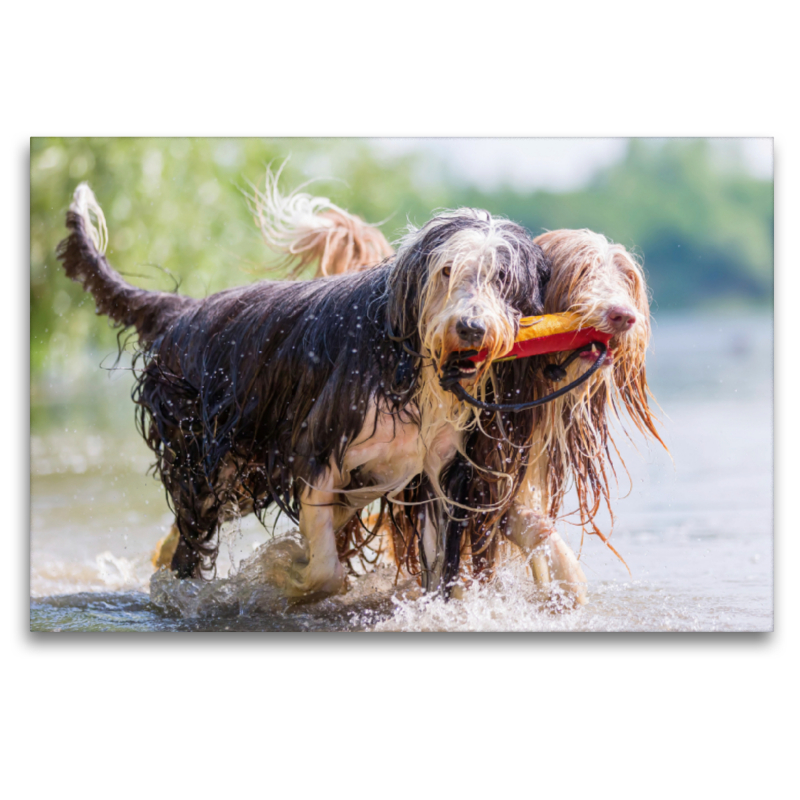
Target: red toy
x,y
551,333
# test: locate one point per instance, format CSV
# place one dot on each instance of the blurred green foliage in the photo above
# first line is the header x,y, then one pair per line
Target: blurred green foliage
x,y
176,213
704,229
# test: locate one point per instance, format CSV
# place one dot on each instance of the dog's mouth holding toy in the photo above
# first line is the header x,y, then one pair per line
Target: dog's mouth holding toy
x,y
594,353
551,333
459,366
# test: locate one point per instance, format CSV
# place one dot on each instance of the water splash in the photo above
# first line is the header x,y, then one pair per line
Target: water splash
x,y
106,572
255,589
375,601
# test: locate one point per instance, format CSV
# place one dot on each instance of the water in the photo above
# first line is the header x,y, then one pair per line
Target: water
x,y
696,533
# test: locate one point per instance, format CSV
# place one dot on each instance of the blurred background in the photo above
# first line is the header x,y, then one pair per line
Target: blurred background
x,y
699,212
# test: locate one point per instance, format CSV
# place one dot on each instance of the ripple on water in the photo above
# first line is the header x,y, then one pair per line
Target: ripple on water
x,y
249,600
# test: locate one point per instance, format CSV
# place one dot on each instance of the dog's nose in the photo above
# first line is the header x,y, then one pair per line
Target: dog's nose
x,y
621,319
471,330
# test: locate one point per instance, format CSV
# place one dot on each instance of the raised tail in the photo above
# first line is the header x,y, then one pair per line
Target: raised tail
x,y
309,229
83,256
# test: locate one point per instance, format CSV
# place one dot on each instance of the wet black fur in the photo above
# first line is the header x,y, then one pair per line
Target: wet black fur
x,y
246,395
500,444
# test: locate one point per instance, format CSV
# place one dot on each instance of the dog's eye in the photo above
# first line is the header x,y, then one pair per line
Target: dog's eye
x,y
446,272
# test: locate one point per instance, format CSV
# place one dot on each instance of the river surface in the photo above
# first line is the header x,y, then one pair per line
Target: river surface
x,y
695,529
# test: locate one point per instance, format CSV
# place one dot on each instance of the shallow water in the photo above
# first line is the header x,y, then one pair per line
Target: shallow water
x,y
696,533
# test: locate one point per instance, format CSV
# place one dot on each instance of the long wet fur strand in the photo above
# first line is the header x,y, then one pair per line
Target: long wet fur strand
x,y
246,397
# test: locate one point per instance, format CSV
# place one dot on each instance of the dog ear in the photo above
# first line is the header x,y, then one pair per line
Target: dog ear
x,y
532,269
411,272
407,285
544,268
405,371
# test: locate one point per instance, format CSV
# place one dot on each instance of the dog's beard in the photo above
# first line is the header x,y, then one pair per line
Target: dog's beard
x,y
622,376
438,405
449,353
590,276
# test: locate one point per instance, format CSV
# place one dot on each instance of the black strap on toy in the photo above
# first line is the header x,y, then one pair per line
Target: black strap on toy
x,y
555,372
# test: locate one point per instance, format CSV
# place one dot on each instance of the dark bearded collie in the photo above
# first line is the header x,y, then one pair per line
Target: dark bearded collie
x,y
323,396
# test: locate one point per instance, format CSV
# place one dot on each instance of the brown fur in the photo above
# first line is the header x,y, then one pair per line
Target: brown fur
x,y
312,229
349,245
589,275
572,439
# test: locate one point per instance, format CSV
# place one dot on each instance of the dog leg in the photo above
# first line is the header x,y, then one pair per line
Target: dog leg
x,y
197,520
432,549
165,548
540,567
319,570
565,570
187,560
552,562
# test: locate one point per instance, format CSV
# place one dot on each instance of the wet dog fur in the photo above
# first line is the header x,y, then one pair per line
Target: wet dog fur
x,y
320,397
571,438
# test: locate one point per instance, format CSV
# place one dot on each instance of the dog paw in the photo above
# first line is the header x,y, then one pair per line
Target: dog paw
x,y
305,581
566,595
299,575
286,564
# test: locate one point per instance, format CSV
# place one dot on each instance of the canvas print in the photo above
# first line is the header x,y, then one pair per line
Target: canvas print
x,y
400,385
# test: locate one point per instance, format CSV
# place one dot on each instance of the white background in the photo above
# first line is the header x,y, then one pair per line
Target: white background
x,y
369,716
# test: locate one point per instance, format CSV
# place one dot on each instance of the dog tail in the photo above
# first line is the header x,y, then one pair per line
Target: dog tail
x,y
83,256
308,229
